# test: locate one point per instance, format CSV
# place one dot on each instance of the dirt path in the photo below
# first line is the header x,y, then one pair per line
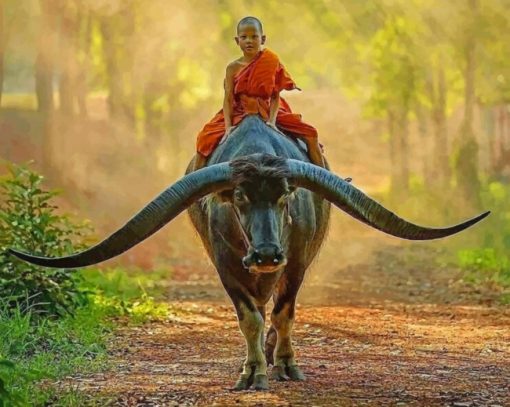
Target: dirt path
x,y
397,338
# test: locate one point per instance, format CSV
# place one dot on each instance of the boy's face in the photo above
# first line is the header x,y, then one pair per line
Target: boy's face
x,y
249,38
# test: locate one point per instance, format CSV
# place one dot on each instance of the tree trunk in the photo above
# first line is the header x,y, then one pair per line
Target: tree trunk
x,y
45,56
68,71
501,143
117,31
399,151
440,155
404,148
423,130
110,50
129,101
44,72
393,151
83,60
489,130
466,160
3,42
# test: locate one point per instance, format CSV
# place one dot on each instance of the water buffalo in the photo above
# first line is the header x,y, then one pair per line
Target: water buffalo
x,y
261,210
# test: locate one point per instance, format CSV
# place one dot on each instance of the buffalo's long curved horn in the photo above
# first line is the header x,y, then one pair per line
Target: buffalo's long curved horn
x,y
360,206
148,221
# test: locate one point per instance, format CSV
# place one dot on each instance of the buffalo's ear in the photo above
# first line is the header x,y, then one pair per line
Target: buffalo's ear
x,y
225,195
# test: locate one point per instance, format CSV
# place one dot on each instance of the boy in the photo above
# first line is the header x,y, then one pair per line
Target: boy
x,y
252,86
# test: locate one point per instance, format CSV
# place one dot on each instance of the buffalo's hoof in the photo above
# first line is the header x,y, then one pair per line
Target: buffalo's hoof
x,y
278,373
281,373
295,373
260,382
244,382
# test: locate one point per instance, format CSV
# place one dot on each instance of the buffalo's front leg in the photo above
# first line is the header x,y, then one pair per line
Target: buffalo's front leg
x,y
282,319
251,323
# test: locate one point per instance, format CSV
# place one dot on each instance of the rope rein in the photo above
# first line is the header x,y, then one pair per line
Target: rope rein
x,y
246,240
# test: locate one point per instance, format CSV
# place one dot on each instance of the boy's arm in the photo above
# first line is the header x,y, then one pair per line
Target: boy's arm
x,y
228,100
273,109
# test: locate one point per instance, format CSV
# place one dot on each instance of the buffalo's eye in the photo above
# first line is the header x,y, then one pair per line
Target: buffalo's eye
x,y
239,196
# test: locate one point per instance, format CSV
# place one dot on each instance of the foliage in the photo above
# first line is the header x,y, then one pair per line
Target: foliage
x,y
490,263
123,293
127,284
28,222
53,348
6,370
495,196
395,72
487,267
400,60
140,310
49,349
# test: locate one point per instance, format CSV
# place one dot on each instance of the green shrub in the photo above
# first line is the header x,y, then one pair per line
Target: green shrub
x,y
43,350
28,222
496,198
123,292
6,368
485,265
489,263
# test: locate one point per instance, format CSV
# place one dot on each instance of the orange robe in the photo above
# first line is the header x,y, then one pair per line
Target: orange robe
x,y
254,85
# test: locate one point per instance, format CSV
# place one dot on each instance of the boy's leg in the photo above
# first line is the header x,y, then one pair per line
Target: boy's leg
x,y
200,161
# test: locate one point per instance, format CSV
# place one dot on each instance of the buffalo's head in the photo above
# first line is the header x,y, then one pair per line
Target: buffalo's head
x,y
260,203
258,187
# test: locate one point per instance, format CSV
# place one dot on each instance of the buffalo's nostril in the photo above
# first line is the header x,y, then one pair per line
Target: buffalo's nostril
x,y
256,256
268,254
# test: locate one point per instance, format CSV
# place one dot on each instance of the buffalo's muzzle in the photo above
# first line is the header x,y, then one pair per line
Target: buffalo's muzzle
x,y
265,259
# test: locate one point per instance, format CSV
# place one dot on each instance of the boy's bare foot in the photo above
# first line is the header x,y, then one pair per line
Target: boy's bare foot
x,y
314,152
200,161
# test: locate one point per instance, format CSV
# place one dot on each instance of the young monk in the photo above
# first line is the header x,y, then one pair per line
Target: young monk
x,y
252,86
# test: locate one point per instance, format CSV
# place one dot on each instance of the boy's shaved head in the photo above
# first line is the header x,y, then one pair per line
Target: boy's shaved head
x,y
250,21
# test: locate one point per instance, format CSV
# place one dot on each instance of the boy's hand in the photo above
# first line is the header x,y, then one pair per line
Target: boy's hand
x,y
227,132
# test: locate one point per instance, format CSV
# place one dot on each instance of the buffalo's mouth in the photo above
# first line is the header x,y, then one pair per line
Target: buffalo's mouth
x,y
255,269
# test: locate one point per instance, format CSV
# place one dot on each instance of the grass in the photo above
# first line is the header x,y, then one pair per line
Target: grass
x,y
43,351
488,263
46,349
487,267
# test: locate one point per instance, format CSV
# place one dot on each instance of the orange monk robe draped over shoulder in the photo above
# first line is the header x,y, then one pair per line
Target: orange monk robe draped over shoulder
x,y
253,87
